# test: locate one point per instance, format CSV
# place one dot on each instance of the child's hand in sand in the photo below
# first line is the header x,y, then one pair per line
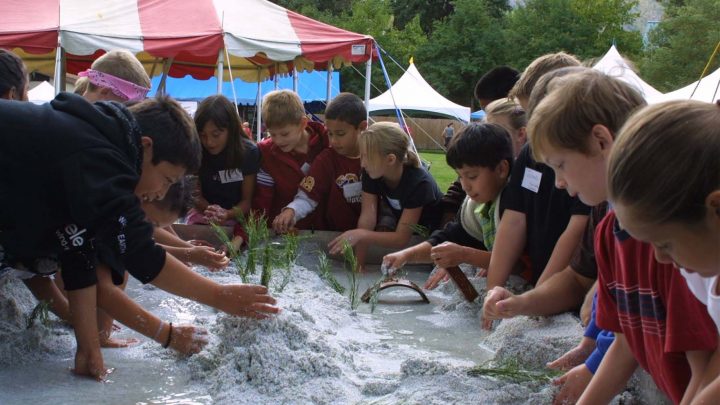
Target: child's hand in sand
x,y
499,304
208,257
436,277
447,254
284,221
215,213
89,363
395,260
575,356
188,339
352,237
115,343
248,300
572,384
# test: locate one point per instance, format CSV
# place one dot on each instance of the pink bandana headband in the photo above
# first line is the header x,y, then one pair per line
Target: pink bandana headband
x,y
121,88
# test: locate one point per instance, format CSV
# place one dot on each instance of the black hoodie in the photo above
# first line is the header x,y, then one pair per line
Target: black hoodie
x,y
68,172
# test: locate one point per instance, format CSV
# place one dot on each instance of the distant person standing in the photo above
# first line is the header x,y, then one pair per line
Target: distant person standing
x,y
448,132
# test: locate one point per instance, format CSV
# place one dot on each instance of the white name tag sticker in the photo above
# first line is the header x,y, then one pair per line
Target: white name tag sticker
x,y
394,203
531,180
230,176
352,192
305,168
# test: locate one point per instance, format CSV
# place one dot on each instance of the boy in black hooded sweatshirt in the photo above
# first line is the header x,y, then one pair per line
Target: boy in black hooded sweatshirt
x,y
72,178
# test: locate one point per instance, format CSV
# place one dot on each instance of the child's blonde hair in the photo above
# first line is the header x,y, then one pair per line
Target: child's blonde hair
x,y
508,108
121,64
385,138
666,160
565,118
281,108
539,67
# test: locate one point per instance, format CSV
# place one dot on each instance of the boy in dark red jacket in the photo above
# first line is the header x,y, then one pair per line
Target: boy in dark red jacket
x,y
332,190
287,153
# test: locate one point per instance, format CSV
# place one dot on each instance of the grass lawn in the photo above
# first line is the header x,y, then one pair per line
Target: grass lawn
x,y
444,175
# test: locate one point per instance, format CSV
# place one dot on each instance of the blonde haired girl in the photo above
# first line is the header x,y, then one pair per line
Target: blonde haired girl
x,y
511,116
391,174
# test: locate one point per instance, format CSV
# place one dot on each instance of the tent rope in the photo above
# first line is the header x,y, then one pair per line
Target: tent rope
x,y
702,75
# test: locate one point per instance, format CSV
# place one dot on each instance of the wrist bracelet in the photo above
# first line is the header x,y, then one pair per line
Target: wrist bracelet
x,y
167,344
159,330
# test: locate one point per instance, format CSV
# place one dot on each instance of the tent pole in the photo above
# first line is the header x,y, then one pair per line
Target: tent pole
x,y
258,108
220,66
295,79
276,77
368,72
166,68
58,76
329,82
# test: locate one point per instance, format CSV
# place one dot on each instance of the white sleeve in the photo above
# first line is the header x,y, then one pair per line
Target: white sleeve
x,y
303,205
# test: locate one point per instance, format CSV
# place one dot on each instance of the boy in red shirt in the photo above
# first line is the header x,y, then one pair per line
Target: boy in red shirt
x,y
332,188
287,153
657,322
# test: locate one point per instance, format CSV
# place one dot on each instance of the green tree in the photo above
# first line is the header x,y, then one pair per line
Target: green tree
x,y
462,48
375,18
585,28
679,47
427,11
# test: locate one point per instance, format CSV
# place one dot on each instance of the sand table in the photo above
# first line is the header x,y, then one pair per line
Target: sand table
x,y
318,350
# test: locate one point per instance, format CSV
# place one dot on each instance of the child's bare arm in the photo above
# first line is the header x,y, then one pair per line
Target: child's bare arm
x,y
164,237
564,247
698,361
236,299
185,339
710,385
44,289
363,237
419,253
368,213
509,244
615,370
83,311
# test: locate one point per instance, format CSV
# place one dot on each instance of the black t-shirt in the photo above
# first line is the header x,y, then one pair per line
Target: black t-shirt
x,y
69,171
417,188
547,209
224,187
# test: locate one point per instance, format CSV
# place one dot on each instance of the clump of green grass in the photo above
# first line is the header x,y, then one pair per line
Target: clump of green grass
x,y
257,232
267,264
40,313
511,370
325,272
351,265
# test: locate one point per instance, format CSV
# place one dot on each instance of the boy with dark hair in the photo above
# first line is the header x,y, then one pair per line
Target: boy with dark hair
x,y
80,171
482,156
495,84
293,144
332,188
539,219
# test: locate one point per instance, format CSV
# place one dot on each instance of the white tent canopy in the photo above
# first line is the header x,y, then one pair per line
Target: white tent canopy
x,y
613,64
411,93
705,89
42,93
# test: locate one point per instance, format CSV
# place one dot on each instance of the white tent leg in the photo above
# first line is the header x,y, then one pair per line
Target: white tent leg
x,y
295,79
276,77
166,68
219,74
258,109
329,83
58,76
368,71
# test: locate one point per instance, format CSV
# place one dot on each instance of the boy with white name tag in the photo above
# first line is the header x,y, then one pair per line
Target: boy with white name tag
x,y
287,154
332,187
539,219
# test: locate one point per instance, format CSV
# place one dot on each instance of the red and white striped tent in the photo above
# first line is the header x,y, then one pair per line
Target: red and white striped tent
x,y
177,37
